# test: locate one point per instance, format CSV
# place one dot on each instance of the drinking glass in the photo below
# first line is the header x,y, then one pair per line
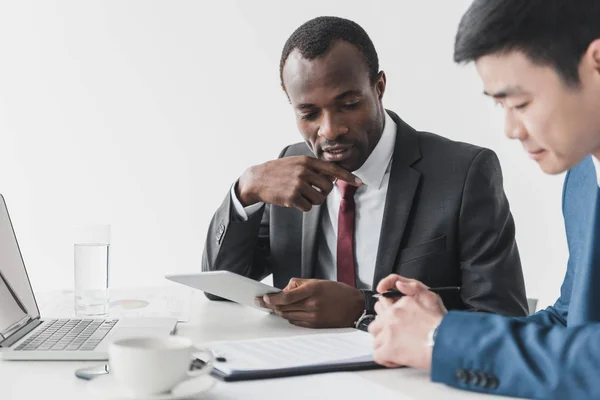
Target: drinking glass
x,y
91,259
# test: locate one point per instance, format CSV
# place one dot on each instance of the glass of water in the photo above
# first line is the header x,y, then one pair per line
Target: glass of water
x,y
92,248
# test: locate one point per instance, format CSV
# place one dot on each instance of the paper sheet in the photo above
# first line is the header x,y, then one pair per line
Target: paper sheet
x,y
164,301
344,385
294,351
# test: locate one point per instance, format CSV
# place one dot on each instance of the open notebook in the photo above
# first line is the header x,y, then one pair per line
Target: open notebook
x,y
296,355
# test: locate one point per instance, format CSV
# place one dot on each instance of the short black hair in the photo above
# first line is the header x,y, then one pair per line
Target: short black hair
x,y
549,32
314,37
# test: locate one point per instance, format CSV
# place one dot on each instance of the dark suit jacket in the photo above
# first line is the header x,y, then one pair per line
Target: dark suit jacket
x,y
446,222
553,354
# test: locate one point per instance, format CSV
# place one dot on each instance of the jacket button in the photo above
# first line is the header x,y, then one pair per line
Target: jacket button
x,y
461,376
473,378
492,382
483,379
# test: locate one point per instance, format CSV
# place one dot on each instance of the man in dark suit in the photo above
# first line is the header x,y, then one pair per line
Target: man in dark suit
x,y
415,203
540,60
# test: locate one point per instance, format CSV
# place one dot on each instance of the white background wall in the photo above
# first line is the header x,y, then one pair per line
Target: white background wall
x,y
142,113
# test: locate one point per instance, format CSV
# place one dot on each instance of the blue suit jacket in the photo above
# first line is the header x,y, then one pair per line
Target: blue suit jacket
x,y
554,353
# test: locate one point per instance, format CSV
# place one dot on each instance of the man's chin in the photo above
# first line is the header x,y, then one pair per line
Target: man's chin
x,y
349,164
552,166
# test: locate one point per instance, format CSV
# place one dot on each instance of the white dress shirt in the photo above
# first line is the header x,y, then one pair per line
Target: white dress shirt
x,y
597,166
370,201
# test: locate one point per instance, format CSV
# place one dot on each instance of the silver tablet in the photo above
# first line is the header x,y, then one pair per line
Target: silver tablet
x,y
227,285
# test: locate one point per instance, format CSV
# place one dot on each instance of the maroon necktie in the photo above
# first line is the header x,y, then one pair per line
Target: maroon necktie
x,y
345,239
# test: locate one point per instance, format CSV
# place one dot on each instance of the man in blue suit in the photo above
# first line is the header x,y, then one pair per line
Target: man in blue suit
x,y
539,60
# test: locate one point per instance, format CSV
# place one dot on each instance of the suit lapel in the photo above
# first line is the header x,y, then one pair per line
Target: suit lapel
x,y
402,187
310,227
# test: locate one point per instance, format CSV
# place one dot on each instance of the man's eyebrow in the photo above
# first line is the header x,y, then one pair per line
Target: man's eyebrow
x,y
506,92
304,106
348,93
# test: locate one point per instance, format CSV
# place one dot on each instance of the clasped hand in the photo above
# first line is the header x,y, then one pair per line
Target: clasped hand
x,y
402,325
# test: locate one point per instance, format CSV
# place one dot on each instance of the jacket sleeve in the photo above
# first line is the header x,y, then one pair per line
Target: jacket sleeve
x,y
239,246
537,356
557,314
492,279
517,357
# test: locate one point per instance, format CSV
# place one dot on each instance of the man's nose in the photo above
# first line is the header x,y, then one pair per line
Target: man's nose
x,y
513,128
331,127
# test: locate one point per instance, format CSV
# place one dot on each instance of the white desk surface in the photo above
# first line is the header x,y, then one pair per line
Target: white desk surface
x,y
209,321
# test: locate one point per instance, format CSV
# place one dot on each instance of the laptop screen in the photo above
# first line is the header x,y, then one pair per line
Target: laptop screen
x,y
12,311
16,295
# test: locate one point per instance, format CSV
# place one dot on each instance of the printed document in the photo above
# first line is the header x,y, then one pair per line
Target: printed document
x,y
293,352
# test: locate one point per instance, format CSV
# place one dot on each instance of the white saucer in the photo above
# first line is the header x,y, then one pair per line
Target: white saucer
x,y
105,386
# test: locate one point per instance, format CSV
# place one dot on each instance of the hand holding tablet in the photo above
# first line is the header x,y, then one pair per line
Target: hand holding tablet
x,y
228,285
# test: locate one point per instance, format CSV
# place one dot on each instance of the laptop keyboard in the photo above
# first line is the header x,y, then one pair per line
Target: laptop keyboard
x,y
68,335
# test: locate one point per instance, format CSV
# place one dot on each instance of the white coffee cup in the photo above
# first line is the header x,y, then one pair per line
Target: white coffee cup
x,y
152,365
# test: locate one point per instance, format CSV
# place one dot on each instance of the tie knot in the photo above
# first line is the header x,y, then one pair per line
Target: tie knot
x,y
347,190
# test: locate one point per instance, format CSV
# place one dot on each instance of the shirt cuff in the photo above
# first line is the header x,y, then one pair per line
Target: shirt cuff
x,y
242,213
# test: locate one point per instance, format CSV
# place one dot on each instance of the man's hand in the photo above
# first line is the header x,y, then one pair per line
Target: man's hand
x,y
315,303
299,182
401,328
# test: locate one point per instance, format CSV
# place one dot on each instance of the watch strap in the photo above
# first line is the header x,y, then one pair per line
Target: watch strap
x,y
369,301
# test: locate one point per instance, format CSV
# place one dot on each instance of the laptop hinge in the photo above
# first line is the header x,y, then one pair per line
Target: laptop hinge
x,y
20,330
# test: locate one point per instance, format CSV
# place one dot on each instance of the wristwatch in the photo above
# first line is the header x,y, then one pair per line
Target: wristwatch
x,y
368,314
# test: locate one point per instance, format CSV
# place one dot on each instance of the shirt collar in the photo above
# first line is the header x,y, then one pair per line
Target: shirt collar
x,y
374,168
597,166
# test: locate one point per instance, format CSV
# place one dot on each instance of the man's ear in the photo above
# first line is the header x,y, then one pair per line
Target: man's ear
x,y
380,84
592,55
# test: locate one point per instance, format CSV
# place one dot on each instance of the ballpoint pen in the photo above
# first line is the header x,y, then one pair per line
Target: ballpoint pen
x,y
439,290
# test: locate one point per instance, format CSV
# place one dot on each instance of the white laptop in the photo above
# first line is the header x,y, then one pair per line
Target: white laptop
x,y
24,335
